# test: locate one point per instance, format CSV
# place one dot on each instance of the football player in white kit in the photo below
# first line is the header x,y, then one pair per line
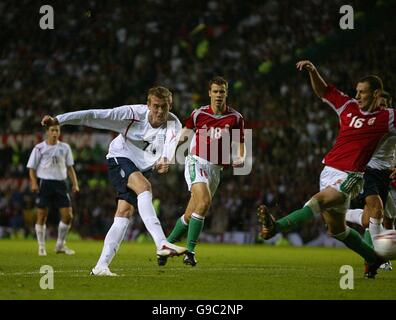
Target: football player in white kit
x,y
50,162
147,139
375,194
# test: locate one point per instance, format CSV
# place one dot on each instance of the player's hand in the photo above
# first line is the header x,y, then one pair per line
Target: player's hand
x,y
238,162
162,166
34,187
49,121
305,64
75,189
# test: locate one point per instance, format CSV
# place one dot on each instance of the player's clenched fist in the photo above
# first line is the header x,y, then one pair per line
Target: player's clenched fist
x,y
305,64
49,121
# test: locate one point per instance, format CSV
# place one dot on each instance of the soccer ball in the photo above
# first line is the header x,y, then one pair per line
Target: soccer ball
x,y
385,244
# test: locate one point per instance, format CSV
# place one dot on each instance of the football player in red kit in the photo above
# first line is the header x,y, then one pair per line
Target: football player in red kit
x,y
218,131
362,125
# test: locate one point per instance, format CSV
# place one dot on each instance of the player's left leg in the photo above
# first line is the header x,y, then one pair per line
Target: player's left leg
x,y
335,220
142,187
66,215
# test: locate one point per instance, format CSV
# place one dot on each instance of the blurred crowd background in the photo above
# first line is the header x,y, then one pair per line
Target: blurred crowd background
x,y
103,54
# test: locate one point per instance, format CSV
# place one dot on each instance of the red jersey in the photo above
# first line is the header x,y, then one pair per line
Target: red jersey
x,y
359,134
213,133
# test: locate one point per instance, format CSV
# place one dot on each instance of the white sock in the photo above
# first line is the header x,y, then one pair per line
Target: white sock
x,y
183,220
63,228
40,233
355,216
375,227
150,219
112,241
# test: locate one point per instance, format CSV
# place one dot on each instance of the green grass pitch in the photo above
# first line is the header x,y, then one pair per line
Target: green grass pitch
x,y
237,272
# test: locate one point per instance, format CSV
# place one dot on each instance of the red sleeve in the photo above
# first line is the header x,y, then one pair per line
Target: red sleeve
x,y
335,98
189,122
241,127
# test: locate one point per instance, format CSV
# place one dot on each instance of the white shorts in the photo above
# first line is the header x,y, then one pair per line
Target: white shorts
x,y
390,208
349,184
199,170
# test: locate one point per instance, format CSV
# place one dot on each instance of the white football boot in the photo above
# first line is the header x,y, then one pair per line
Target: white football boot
x,y
102,272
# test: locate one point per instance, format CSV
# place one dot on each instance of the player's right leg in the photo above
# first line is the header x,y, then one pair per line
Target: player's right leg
x,y
40,228
113,239
375,211
202,200
331,195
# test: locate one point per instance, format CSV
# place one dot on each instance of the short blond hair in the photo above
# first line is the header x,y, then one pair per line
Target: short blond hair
x,y
161,93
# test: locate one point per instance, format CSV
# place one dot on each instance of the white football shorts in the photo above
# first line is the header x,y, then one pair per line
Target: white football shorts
x,y
350,184
200,170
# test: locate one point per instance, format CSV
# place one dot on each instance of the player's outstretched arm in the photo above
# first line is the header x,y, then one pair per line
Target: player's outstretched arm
x,y
318,84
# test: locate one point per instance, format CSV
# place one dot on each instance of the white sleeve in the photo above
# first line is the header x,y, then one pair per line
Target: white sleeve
x,y
392,120
34,159
173,131
116,119
69,157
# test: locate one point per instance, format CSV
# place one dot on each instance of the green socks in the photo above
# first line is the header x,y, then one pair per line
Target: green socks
x,y
195,227
354,241
178,231
294,220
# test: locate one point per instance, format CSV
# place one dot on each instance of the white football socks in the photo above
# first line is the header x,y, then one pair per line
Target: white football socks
x,y
40,233
63,228
355,216
375,227
112,241
150,219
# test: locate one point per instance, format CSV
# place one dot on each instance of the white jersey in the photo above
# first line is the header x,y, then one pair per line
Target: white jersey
x,y
390,208
385,154
51,161
137,139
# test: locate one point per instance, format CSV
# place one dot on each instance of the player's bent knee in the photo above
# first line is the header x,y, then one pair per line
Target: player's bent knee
x,y
314,204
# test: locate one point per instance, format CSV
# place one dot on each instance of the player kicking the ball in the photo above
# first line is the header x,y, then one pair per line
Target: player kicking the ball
x,y
362,125
146,140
